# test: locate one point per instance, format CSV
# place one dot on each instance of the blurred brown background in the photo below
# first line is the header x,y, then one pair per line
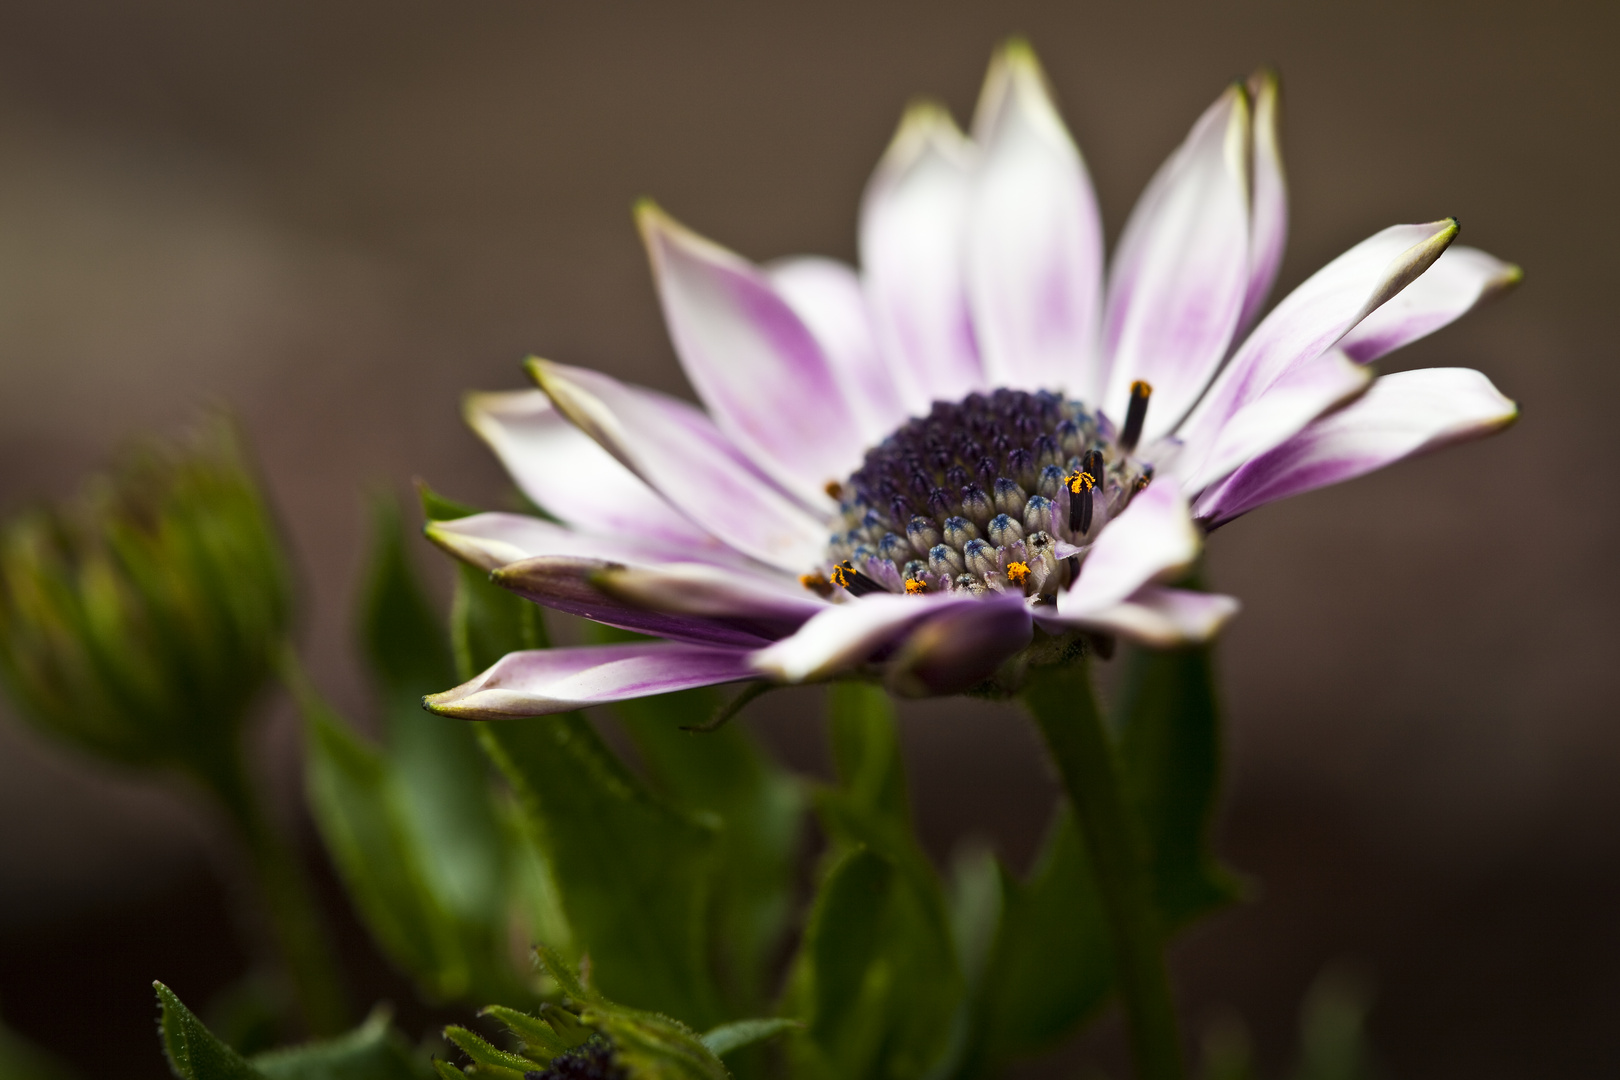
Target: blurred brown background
x,y
336,216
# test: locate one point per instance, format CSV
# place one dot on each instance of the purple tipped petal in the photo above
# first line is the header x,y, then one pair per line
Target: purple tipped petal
x,y
544,681
1181,270
758,368
491,541
1316,315
567,474
1301,395
678,451
1459,280
569,585
709,591
958,649
912,222
848,635
1407,413
1034,238
1268,200
1154,538
828,296
1158,617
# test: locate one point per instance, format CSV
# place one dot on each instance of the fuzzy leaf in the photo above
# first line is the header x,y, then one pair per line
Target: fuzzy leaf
x,y
194,1053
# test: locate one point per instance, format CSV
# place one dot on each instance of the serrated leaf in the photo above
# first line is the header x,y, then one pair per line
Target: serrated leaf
x,y
740,1033
540,1042
486,1056
760,808
373,1051
193,1051
1168,724
632,871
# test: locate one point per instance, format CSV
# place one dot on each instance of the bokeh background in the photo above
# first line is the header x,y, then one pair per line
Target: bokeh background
x,y
335,216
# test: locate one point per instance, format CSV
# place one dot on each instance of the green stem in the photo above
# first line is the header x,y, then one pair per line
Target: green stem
x,y
284,889
1078,739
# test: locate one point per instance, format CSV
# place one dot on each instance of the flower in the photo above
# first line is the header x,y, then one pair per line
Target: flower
x,y
999,440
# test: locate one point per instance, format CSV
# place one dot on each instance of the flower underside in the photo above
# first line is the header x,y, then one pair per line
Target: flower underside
x,y
999,492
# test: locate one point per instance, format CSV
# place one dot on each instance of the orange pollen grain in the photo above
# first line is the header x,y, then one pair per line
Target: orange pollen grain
x,y
815,583
1017,572
915,586
1081,481
841,573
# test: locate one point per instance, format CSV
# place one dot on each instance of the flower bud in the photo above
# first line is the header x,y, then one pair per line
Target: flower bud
x,y
141,620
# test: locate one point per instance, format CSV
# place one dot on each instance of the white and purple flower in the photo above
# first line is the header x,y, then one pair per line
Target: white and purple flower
x,y
920,468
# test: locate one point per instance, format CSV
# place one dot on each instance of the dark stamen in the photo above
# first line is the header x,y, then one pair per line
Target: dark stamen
x,y
1135,414
1080,509
853,581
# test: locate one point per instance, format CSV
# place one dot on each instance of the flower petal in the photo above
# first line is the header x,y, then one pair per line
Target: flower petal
x,y
828,296
847,635
567,474
1459,280
758,368
1034,237
542,681
958,649
912,220
694,589
1268,197
678,451
1180,274
1301,395
1403,414
1316,315
568,584
1154,537
494,540
1158,617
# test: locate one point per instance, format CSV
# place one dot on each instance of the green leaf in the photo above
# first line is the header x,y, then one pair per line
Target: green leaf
x,y
194,1053
760,807
1168,724
1048,967
877,974
633,872
866,750
434,758
372,1051
740,1033
486,1056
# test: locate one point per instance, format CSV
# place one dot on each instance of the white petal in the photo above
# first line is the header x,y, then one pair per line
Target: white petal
x,y
1458,281
761,372
1286,407
912,224
1034,253
1268,200
1316,315
846,635
678,451
1152,539
543,681
1403,414
828,296
493,540
567,474
1181,271
1159,617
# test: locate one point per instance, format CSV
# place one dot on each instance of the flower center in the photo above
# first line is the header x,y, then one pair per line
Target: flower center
x,y
997,492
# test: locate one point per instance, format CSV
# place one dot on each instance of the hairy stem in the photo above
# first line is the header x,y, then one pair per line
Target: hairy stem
x,y
1077,737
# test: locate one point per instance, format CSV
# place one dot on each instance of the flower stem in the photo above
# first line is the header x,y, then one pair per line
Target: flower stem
x,y
1076,735
289,901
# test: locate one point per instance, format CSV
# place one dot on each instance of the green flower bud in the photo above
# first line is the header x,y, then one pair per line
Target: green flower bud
x,y
141,620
